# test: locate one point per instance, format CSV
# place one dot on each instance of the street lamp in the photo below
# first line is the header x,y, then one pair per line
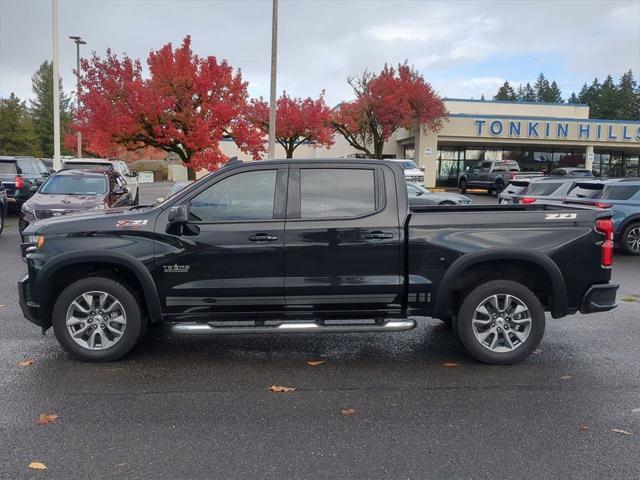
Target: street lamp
x,y
78,41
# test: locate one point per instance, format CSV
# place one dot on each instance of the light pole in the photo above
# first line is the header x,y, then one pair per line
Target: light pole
x,y
274,63
56,87
78,41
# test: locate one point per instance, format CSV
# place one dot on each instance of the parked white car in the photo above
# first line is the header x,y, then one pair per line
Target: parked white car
x,y
130,178
411,171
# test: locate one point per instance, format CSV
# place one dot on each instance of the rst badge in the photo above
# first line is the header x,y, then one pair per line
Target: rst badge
x,y
175,268
131,223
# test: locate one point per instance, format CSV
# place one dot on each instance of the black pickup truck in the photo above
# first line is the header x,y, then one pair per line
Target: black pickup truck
x,y
314,246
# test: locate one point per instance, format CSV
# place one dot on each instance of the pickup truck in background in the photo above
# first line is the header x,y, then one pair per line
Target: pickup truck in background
x,y
493,176
314,246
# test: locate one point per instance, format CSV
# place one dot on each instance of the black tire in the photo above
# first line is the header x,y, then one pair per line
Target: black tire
x,y
629,234
465,316
1,219
135,322
446,203
462,185
137,199
500,186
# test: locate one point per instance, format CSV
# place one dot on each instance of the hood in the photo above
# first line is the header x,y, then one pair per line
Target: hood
x,y
42,201
90,221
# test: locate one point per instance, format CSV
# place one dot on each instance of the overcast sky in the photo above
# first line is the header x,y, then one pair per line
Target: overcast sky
x,y
464,49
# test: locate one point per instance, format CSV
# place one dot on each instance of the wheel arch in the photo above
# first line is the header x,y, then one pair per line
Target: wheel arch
x,y
541,265
631,219
135,275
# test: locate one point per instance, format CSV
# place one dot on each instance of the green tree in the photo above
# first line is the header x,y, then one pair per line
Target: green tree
x,y
604,101
554,95
627,101
42,107
573,98
505,92
17,136
526,93
541,87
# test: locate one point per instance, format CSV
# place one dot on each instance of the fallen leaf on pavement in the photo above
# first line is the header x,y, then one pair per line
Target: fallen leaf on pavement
x,y
348,412
45,418
25,363
584,428
280,389
449,365
621,432
565,377
37,466
315,363
630,299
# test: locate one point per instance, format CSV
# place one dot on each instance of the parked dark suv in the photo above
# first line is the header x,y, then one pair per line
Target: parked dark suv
x,y
21,177
74,191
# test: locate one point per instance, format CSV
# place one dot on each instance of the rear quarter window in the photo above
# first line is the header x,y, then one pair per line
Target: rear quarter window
x,y
586,191
620,192
543,189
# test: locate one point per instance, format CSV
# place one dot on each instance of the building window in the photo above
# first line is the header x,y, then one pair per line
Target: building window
x,y
409,152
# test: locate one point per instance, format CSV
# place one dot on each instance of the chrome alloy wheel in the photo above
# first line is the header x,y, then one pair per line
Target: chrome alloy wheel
x,y
96,320
501,323
633,239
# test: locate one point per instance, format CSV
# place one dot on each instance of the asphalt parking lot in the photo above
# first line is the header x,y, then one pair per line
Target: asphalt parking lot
x,y
404,405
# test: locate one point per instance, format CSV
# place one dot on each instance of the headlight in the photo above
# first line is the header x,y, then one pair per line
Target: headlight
x,y
27,209
34,240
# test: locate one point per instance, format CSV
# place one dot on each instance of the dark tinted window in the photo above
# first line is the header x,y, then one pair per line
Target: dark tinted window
x,y
70,185
8,167
586,191
244,196
517,187
546,188
335,193
619,192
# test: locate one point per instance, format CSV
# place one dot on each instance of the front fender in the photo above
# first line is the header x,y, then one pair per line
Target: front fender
x,y
458,267
46,276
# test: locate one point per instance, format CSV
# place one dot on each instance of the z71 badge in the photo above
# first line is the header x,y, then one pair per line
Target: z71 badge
x,y
131,223
561,216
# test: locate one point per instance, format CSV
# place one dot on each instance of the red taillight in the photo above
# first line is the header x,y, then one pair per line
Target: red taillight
x,y
605,226
19,182
527,200
603,205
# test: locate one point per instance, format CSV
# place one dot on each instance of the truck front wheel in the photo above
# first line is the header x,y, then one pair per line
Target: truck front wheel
x,y
500,322
97,319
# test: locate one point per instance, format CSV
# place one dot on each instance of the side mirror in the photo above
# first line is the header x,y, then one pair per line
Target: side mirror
x,y
178,215
118,190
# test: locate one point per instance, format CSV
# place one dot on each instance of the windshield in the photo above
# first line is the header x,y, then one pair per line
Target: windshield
x,y
86,166
70,185
409,165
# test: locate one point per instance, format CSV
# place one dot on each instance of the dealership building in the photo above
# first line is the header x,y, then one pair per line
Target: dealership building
x,y
538,136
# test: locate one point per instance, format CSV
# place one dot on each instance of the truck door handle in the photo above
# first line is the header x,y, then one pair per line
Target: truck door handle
x,y
377,235
263,237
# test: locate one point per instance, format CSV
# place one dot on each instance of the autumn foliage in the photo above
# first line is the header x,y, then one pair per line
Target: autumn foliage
x,y
394,98
185,106
297,121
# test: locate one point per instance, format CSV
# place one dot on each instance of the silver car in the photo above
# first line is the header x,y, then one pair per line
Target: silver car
x,y
418,196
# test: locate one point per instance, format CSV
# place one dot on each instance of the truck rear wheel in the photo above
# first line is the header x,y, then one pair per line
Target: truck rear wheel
x,y
97,319
500,322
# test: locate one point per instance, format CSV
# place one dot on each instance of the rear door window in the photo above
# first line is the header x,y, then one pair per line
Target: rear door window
x,y
8,168
620,192
336,192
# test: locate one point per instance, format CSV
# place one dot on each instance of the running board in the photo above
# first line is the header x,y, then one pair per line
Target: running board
x,y
295,327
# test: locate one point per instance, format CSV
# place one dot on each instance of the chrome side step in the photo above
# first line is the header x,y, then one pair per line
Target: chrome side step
x,y
295,327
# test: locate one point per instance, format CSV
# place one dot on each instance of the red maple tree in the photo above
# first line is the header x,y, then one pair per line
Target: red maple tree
x,y
298,121
385,102
186,106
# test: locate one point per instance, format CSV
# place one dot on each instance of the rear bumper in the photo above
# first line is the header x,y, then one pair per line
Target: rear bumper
x,y
30,309
599,298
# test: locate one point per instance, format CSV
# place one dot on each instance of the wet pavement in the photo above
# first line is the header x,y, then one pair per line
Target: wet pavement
x,y
199,407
